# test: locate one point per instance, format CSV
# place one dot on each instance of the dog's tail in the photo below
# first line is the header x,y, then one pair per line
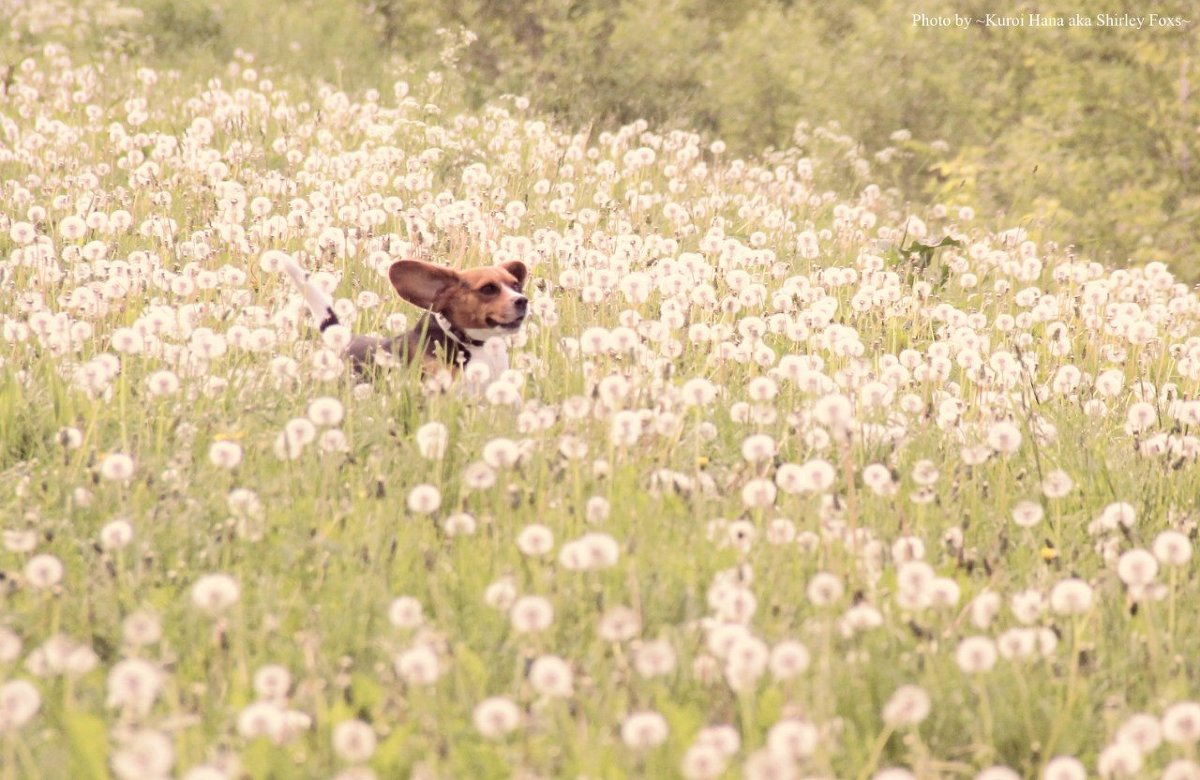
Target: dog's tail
x,y
319,303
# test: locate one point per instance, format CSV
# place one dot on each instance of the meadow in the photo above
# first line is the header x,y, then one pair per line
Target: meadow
x,y
790,477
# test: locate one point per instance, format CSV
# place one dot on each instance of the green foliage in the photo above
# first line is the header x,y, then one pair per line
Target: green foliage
x,y
185,25
1033,129
1086,132
88,740
98,28
335,42
1088,135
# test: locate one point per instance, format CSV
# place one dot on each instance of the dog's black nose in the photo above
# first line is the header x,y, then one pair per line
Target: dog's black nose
x,y
520,303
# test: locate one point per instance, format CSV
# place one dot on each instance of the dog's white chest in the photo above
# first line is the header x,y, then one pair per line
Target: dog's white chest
x,y
486,365
496,360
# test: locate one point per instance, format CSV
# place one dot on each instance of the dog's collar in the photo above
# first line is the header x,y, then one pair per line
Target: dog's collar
x,y
454,333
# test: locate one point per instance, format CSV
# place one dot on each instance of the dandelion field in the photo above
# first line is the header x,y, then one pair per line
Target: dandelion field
x,y
790,478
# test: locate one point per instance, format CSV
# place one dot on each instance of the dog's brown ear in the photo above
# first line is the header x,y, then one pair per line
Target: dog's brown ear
x,y
517,269
421,283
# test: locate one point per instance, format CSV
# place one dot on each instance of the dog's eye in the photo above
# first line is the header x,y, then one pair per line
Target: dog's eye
x,y
489,289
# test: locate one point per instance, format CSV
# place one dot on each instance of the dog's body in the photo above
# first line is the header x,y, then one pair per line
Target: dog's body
x,y
468,314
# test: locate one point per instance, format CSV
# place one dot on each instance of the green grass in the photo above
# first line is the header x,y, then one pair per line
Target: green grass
x,y
332,541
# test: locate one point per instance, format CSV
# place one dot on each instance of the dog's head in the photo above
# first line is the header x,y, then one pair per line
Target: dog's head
x,y
482,302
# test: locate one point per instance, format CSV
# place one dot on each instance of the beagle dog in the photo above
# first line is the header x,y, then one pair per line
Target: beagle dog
x,y
465,311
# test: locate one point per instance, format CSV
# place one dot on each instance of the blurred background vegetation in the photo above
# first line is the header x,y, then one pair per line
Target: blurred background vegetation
x,y
1091,134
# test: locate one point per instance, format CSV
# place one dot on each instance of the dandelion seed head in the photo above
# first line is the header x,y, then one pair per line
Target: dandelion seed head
x,y
354,741
907,706
531,614
551,676
643,730
19,702
44,571
146,753
976,655
1119,759
419,666
406,612
1137,567
117,467
225,454
215,593
424,499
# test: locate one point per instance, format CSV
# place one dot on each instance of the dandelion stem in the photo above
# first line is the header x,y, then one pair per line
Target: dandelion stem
x,y
1174,576
28,765
851,492
876,752
1068,703
746,714
1026,709
987,723
1153,640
